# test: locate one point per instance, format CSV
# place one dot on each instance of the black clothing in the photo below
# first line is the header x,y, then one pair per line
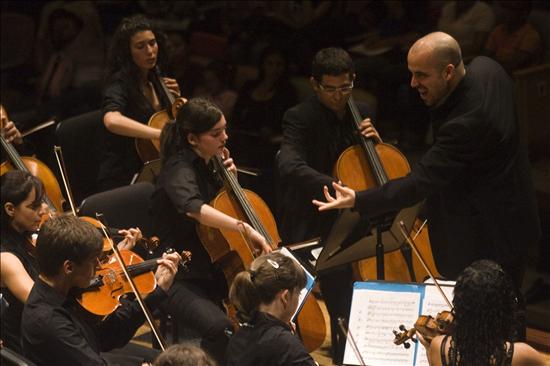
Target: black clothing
x,y
313,138
57,331
120,161
266,341
480,200
195,299
15,243
507,361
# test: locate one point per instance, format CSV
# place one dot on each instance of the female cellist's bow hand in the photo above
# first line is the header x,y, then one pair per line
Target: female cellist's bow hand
x,y
345,198
368,130
131,237
172,85
228,161
167,269
11,133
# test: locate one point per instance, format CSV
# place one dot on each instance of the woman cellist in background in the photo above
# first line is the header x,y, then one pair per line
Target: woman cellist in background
x,y
131,97
23,209
185,186
266,297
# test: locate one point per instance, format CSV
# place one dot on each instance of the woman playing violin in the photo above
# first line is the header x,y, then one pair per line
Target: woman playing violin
x,y
185,186
485,312
131,97
266,297
23,208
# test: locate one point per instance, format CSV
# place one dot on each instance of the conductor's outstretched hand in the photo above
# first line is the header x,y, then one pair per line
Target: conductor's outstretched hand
x,y
345,198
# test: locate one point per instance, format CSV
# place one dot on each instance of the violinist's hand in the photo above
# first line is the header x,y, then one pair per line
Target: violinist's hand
x,y
11,133
173,86
131,236
345,198
368,130
257,239
228,162
167,269
423,340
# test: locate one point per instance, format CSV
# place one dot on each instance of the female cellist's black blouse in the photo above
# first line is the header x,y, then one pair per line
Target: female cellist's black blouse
x,y
184,185
120,161
14,243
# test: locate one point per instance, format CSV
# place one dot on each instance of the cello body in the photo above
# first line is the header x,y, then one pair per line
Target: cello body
x,y
369,165
232,252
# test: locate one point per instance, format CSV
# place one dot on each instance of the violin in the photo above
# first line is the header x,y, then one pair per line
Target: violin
x,y
427,327
149,150
102,297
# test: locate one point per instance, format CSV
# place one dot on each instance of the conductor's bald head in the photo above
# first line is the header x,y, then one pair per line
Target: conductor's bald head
x,y
435,62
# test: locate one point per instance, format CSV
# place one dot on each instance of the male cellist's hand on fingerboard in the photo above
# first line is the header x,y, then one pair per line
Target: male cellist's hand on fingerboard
x,y
345,198
368,130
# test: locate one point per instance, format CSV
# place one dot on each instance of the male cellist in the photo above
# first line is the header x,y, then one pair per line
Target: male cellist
x,y
55,331
315,133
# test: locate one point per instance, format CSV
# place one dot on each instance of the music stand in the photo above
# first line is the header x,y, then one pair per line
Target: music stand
x,y
339,247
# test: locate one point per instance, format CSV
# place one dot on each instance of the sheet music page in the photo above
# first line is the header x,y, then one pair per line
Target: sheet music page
x,y
374,316
433,303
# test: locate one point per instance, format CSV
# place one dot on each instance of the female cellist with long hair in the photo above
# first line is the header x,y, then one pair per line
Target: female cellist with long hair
x,y
185,186
23,208
133,94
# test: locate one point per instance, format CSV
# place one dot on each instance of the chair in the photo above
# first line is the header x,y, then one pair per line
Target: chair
x,y
82,139
12,358
122,207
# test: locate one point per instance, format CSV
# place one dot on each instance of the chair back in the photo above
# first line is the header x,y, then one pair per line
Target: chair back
x,y
122,207
82,140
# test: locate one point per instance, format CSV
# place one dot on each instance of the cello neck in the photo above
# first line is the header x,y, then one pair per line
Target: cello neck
x,y
165,90
368,146
238,193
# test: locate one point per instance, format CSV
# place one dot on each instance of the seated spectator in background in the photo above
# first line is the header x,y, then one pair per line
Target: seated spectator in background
x,y
469,22
215,87
515,43
184,354
256,122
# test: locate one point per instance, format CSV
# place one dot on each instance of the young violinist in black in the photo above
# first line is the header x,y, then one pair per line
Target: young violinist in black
x,y
266,297
315,133
23,209
186,185
485,312
55,329
133,94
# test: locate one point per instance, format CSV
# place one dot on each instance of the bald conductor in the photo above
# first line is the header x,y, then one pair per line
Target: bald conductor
x,y
475,178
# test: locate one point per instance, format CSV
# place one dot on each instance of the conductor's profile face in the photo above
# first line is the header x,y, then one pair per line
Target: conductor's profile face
x,y
333,91
429,78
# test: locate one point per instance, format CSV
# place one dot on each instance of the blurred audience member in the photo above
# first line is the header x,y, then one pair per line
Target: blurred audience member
x,y
469,22
515,43
215,86
184,354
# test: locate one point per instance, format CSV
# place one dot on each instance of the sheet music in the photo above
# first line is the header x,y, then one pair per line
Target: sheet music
x,y
374,315
433,303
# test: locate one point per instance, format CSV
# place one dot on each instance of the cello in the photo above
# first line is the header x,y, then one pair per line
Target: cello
x,y
234,253
149,149
368,165
53,198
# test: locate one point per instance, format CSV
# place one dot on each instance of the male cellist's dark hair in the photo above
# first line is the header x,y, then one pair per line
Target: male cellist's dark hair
x,y
332,61
268,275
485,313
196,116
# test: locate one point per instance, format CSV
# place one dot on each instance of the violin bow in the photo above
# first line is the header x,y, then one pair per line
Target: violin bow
x,y
410,241
63,171
345,330
146,312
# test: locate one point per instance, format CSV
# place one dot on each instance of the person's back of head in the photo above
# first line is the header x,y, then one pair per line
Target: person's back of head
x,y
184,355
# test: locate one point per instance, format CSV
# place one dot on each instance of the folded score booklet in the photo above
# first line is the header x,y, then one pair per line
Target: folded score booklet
x,y
378,308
